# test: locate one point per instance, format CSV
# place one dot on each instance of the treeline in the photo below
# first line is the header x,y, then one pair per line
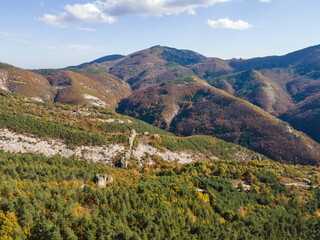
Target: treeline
x,y
71,135
55,198
127,124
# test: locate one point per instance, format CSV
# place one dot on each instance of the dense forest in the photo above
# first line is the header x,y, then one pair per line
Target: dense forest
x,y
56,198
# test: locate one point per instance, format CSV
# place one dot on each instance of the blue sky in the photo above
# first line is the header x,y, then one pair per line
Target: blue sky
x,y
52,34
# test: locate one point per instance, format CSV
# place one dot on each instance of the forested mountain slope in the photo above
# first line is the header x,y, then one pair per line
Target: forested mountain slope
x,y
190,106
283,86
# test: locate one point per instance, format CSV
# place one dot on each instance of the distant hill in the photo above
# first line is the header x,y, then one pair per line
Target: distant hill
x,y
189,106
284,61
151,66
259,88
108,58
79,86
88,88
155,65
306,117
26,83
276,84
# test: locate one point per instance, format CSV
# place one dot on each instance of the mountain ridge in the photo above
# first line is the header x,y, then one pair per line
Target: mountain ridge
x,y
108,58
283,86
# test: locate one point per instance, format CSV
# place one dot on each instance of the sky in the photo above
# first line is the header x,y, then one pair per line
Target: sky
x,y
53,34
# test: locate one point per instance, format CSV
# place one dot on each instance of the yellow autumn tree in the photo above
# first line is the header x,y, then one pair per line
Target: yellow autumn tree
x,y
9,226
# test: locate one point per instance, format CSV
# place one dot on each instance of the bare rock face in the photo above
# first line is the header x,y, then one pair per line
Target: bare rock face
x,y
131,138
127,155
102,180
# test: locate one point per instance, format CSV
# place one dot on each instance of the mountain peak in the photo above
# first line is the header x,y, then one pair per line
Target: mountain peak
x,y
156,46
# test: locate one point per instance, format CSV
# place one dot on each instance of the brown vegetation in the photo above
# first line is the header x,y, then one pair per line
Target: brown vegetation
x,y
209,111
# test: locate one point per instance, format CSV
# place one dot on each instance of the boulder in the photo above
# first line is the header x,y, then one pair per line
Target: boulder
x,y
256,157
307,181
102,180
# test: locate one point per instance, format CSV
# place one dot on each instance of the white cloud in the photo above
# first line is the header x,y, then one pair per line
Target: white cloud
x,y
56,21
191,11
265,1
89,13
226,23
107,11
154,7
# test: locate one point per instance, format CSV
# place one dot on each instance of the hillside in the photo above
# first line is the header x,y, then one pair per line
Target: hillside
x,y
190,106
257,88
96,134
155,65
25,83
306,117
211,68
99,89
73,86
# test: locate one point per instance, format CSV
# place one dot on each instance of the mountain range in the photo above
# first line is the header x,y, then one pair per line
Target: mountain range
x,y
269,104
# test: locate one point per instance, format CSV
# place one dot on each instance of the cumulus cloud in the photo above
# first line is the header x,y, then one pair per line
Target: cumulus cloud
x,y
107,11
56,21
226,23
265,1
89,13
155,7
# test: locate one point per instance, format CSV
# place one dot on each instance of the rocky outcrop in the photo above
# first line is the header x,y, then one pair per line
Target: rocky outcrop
x,y
108,154
127,155
256,157
19,143
170,113
102,180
